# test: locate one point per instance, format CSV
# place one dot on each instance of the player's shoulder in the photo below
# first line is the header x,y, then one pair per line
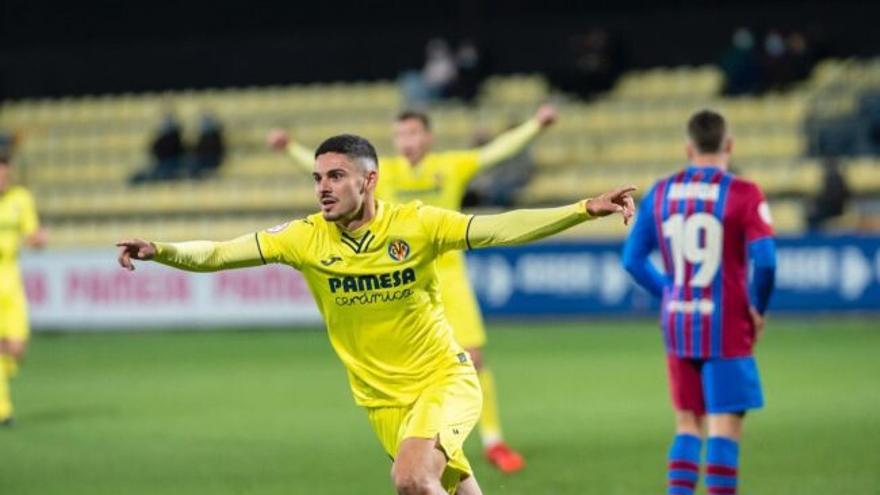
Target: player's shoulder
x,y
417,212
19,192
455,155
661,184
311,223
666,180
407,209
19,195
391,162
745,188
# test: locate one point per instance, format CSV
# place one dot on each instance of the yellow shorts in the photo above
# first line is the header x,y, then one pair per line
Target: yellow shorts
x,y
13,316
447,409
459,301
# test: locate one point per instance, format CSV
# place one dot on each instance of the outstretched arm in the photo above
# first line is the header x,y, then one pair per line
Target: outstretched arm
x,y
515,140
279,140
193,256
522,226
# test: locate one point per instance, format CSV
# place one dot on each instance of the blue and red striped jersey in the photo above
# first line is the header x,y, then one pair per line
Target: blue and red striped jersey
x,y
703,220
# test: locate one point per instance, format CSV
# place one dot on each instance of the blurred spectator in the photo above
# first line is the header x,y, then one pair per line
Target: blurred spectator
x,y
436,78
593,62
470,71
207,154
774,61
499,185
167,152
832,199
788,60
739,63
7,143
440,68
801,56
781,61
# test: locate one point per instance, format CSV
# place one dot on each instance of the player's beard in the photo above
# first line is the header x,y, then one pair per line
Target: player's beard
x,y
331,215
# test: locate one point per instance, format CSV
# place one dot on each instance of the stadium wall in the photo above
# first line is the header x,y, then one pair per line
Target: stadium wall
x,y
86,290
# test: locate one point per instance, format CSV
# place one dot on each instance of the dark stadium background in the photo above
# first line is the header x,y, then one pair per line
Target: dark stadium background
x,y
53,49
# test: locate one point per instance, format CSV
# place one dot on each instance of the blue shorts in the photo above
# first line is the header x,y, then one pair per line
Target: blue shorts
x,y
715,385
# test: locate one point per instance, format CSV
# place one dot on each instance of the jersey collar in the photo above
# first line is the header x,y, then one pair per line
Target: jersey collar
x,y
704,168
359,240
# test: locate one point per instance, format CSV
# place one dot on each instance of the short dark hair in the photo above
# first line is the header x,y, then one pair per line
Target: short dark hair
x,y
707,130
413,114
354,147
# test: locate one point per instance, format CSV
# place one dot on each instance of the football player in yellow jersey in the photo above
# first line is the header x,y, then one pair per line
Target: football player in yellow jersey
x,y
370,266
18,225
440,179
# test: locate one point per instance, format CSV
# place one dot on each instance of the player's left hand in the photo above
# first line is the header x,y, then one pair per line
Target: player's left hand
x,y
38,239
546,115
757,322
617,201
134,248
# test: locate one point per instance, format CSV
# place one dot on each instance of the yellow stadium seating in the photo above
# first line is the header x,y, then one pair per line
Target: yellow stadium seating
x,y
77,153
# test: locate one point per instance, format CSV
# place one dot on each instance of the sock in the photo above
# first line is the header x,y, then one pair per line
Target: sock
x,y
684,464
722,456
490,424
5,400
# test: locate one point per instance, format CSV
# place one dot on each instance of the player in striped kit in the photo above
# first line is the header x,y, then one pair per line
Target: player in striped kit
x,y
708,225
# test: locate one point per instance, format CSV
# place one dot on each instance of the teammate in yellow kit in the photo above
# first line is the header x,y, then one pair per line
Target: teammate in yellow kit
x,y
440,179
18,225
370,266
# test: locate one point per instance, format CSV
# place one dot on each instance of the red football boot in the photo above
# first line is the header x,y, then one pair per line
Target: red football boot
x,y
505,458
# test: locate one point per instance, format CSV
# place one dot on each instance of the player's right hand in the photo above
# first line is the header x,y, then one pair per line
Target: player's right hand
x,y
617,201
758,322
277,139
134,248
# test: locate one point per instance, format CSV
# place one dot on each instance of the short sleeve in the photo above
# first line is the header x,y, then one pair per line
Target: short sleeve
x,y
447,229
285,243
758,222
465,164
30,223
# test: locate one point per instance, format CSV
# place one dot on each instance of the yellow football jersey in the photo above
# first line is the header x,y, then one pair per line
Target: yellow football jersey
x,y
440,179
18,218
377,290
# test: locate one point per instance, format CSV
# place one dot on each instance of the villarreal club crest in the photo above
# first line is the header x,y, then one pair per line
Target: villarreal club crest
x,y
398,250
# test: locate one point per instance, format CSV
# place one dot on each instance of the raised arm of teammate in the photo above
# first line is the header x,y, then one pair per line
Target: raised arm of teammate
x,y
34,235
303,157
515,140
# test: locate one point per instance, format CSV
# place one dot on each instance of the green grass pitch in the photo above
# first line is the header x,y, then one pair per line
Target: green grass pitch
x,y
270,413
